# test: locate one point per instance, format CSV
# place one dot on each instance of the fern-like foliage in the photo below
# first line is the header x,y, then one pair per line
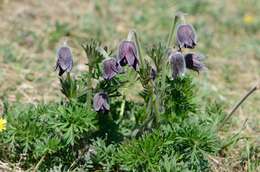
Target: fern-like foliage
x,y
184,146
72,122
141,154
180,97
72,88
194,140
47,130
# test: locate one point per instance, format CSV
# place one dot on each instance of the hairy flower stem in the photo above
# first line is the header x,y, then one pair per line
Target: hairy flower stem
x,y
122,111
165,62
156,110
138,132
153,106
170,37
69,79
89,84
139,51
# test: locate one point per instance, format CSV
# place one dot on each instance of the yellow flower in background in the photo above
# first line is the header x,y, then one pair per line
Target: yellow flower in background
x,y
2,124
248,19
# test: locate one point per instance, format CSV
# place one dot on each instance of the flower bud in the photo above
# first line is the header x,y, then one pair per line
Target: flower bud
x,y
110,68
127,54
64,60
100,102
194,62
178,64
186,36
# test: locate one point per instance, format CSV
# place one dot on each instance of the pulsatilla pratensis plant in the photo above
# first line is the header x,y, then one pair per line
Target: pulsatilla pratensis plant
x,y
109,71
133,110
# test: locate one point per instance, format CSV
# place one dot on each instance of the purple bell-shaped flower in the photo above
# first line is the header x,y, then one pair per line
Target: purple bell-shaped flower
x,y
194,62
153,73
110,68
127,54
64,60
177,64
186,36
100,102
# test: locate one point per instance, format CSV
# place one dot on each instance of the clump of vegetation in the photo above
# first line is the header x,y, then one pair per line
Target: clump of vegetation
x,y
96,127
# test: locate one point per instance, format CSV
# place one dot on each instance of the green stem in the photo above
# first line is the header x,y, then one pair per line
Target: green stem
x,y
70,89
149,118
165,62
170,37
89,83
156,105
122,110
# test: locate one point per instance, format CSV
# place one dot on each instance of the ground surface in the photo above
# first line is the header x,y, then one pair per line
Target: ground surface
x,y
228,33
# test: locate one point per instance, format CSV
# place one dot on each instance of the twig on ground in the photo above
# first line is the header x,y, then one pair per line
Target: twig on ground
x,y
251,91
79,157
39,163
214,160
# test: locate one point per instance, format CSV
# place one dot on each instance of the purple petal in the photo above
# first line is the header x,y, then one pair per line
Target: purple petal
x,y
186,36
178,64
100,102
110,68
64,60
128,54
194,62
153,73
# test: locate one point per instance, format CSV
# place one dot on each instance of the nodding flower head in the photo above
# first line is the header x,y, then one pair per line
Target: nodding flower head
x,y
64,59
100,102
110,68
127,54
194,62
186,36
153,73
177,64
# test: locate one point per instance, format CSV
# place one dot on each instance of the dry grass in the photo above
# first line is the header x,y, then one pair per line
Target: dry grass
x,y
6,167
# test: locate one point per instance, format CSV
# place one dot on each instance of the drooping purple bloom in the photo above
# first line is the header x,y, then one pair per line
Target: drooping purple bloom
x,y
153,73
64,60
127,54
194,62
178,64
100,102
186,36
110,68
